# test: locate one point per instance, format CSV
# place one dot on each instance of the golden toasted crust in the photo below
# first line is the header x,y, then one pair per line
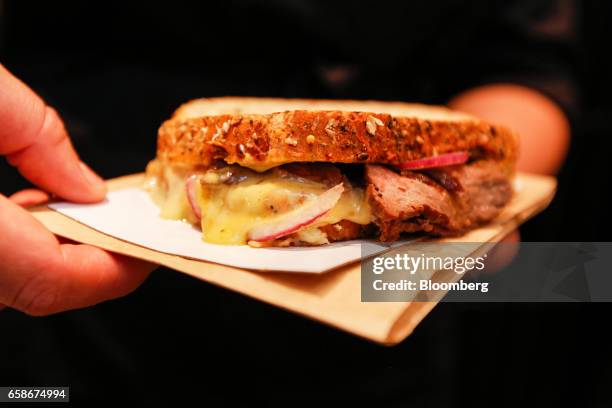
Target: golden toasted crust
x,y
265,140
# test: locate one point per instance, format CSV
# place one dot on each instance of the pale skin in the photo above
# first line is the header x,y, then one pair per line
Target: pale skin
x,y
41,274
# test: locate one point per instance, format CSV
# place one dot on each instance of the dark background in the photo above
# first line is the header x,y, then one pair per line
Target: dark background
x,y
115,71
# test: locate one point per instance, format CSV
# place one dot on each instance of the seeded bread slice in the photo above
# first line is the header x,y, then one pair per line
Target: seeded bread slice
x,y
264,132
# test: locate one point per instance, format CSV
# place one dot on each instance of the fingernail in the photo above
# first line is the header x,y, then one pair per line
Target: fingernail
x,y
93,179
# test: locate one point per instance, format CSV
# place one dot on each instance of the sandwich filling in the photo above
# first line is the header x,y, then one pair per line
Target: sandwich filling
x,y
316,203
287,205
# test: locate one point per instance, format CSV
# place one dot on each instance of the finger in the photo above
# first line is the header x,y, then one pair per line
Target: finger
x,y
39,276
29,197
95,275
34,139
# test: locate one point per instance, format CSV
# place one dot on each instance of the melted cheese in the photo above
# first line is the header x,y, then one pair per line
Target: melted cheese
x,y
233,200
166,186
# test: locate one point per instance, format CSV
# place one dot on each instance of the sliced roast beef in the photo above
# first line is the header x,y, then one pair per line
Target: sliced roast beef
x,y
407,203
442,201
481,189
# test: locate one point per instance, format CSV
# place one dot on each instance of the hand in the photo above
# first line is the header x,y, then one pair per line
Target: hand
x,y
543,129
39,274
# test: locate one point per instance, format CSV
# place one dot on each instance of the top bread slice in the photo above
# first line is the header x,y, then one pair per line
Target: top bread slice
x,y
261,133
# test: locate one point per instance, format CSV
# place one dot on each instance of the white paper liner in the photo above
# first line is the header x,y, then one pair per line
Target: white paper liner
x,y
131,216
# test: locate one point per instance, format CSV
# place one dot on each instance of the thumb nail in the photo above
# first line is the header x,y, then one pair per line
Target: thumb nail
x,y
93,179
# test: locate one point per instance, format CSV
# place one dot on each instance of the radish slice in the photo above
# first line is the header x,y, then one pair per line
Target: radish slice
x,y
191,186
298,218
447,159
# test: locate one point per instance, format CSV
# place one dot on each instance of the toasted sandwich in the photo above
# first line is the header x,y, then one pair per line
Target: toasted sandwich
x,y
289,172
